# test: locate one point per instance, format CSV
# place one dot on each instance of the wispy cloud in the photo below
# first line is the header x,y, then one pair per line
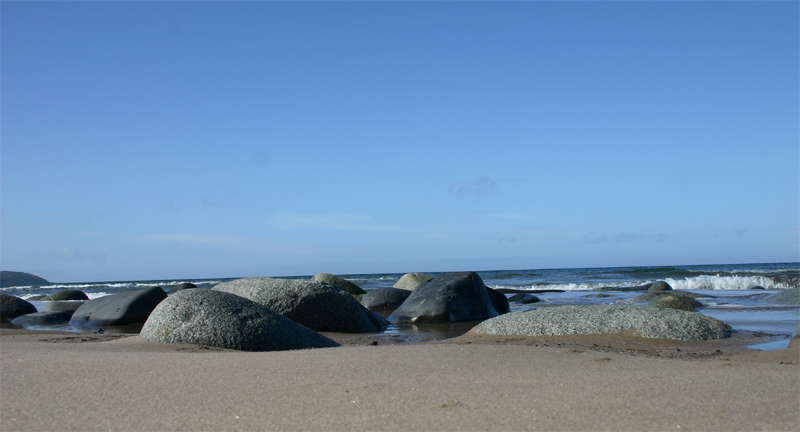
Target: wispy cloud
x,y
480,187
595,238
68,254
326,221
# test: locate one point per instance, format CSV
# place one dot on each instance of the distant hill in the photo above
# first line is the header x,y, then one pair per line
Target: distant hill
x,y
12,278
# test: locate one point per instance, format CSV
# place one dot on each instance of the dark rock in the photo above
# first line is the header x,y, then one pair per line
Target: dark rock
x,y
12,307
12,278
790,296
645,321
659,286
181,287
410,281
384,298
316,305
224,320
499,301
125,308
452,297
526,298
341,283
42,318
682,302
63,306
69,295
38,297
757,287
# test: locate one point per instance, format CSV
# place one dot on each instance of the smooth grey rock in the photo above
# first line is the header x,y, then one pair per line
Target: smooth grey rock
x,y
316,305
37,297
12,306
69,295
647,321
659,286
527,298
499,301
125,308
384,298
681,302
410,281
63,306
42,318
452,297
225,320
790,296
181,287
340,282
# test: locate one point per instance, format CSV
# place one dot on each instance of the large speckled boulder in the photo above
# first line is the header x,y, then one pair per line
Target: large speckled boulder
x,y
646,321
660,286
125,308
224,320
340,282
452,297
382,299
410,281
12,306
319,306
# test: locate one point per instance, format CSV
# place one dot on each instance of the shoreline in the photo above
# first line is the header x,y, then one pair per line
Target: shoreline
x,y
68,381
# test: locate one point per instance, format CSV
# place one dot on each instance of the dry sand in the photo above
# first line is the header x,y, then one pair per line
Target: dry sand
x,y
58,381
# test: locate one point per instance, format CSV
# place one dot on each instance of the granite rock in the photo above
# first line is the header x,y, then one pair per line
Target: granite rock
x,y
340,282
316,305
410,281
645,321
225,320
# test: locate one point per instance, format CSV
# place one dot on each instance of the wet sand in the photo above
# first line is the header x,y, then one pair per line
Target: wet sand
x,y
69,381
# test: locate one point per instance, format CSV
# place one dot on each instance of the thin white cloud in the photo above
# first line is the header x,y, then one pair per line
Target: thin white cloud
x,y
480,187
325,221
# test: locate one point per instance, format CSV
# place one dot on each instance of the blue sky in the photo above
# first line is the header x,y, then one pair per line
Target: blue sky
x,y
153,140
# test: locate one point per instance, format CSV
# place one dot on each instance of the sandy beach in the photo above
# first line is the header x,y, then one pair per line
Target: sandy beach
x,y
63,381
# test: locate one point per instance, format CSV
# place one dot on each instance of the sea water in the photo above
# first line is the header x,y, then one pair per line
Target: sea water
x,y
738,293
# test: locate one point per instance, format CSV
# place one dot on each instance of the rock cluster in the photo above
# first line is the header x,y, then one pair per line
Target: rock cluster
x,y
224,320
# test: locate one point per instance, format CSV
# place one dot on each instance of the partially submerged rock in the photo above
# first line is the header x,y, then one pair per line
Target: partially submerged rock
x,y
790,296
410,281
12,306
340,282
224,320
382,299
647,321
316,305
681,302
63,306
42,318
181,287
125,308
452,297
68,295
523,298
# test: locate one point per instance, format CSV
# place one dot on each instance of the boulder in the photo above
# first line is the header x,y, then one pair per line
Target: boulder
x,y
659,286
787,297
650,295
681,302
384,298
12,278
69,295
499,301
42,318
181,287
646,321
63,306
12,307
339,282
125,308
224,320
316,305
410,281
527,298
452,297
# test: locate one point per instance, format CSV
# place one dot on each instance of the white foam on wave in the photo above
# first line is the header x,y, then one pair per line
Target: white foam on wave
x,y
706,282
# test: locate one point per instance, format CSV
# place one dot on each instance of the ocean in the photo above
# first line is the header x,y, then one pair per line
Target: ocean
x,y
738,293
